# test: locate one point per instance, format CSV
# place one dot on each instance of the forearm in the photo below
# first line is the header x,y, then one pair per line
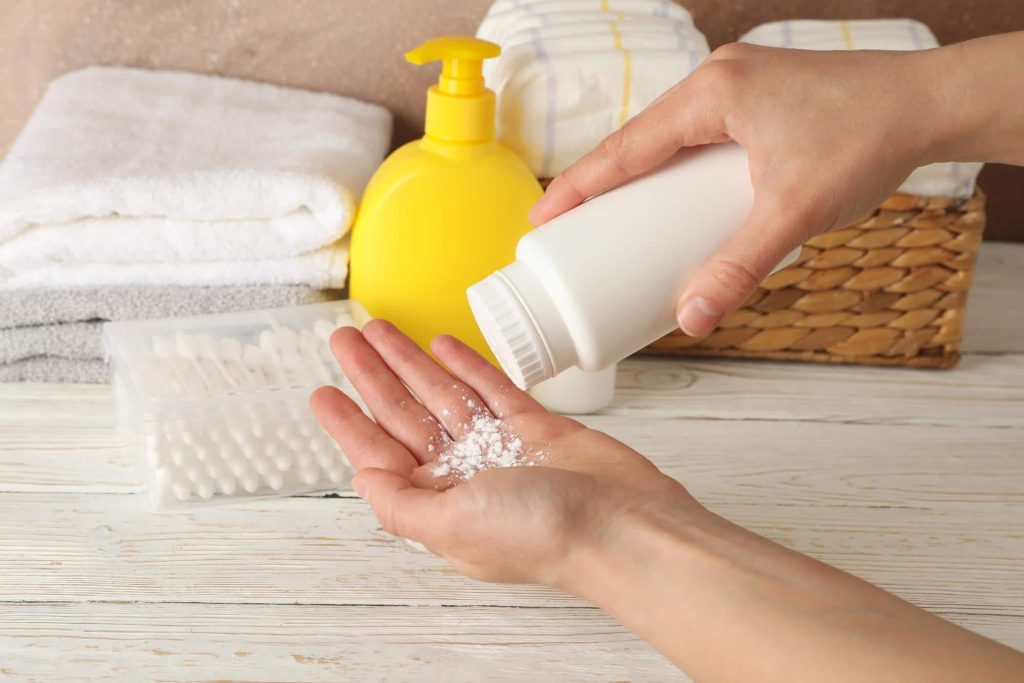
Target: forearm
x,y
727,605
978,110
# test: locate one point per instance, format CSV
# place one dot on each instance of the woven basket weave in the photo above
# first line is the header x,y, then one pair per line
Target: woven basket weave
x,y
888,290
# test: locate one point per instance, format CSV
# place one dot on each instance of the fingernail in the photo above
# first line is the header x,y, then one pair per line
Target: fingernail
x,y
359,486
697,316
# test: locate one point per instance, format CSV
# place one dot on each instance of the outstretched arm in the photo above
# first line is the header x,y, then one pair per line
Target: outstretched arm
x,y
829,135
597,519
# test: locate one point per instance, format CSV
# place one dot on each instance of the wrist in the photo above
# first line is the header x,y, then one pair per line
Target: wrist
x,y
667,572
972,112
943,125
660,532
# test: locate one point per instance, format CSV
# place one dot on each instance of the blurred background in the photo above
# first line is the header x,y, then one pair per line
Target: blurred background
x,y
354,47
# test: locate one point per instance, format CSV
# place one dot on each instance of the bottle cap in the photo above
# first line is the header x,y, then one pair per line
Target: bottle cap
x,y
459,108
510,330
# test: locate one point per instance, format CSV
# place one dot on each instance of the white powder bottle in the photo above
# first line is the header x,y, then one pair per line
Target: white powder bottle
x,y
575,392
602,281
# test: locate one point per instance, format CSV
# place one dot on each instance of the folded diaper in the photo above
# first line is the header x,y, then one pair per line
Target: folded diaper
x,y
573,71
135,176
945,179
52,335
508,16
858,34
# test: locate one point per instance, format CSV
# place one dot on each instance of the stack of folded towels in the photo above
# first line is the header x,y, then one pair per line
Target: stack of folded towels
x,y
573,71
935,180
139,194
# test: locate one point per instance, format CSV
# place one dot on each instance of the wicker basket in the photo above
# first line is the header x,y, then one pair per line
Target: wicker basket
x,y
889,290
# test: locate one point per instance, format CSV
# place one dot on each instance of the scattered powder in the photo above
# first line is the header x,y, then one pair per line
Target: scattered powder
x,y
488,444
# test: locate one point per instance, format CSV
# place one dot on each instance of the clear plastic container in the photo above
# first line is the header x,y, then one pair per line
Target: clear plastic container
x,y
217,405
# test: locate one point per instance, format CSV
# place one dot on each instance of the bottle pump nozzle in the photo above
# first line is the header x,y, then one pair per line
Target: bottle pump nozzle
x,y
459,108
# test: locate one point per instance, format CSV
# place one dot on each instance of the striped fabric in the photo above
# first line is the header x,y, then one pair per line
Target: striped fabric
x,y
573,71
936,180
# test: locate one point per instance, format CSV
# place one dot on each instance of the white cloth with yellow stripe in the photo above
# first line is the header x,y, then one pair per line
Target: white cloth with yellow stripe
x,y
935,180
573,71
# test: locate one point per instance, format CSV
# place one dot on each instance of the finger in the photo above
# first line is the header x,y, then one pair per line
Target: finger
x,y
500,394
449,399
394,408
362,440
401,508
724,282
432,475
684,116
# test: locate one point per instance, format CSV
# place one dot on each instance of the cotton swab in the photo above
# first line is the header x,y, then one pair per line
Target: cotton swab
x,y
229,465
231,354
187,349
323,329
310,346
223,409
208,351
163,349
265,365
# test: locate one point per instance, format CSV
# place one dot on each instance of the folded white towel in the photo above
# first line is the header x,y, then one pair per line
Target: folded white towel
x,y
936,180
136,176
573,71
323,268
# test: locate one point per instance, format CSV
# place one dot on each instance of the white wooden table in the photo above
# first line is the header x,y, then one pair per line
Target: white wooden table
x,y
911,479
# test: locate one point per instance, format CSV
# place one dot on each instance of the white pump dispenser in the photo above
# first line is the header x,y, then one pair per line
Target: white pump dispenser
x,y
602,281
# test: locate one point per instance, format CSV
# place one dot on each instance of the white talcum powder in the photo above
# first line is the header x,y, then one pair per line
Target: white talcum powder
x,y
488,444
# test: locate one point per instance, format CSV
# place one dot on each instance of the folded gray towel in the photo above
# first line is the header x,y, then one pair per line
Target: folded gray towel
x,y
126,302
53,369
63,340
55,335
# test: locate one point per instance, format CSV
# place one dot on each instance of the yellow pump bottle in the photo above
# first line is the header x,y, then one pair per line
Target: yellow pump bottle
x,y
444,211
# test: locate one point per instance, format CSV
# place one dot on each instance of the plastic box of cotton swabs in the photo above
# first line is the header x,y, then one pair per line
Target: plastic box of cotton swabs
x,y
217,405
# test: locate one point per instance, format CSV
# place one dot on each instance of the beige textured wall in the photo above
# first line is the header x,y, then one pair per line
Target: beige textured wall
x,y
355,47
352,47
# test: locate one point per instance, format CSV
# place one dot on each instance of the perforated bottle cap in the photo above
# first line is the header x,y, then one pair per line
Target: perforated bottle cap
x,y
510,330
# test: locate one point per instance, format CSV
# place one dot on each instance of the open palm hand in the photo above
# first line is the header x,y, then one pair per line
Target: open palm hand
x,y
510,524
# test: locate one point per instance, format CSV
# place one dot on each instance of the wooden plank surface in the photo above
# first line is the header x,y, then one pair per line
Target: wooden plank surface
x,y
931,467
84,547
196,642
911,479
323,643
983,391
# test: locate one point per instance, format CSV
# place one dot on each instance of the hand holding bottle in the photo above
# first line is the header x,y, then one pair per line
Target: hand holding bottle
x,y
829,135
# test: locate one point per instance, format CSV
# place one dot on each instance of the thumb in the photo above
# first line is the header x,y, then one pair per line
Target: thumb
x,y
401,508
684,116
731,275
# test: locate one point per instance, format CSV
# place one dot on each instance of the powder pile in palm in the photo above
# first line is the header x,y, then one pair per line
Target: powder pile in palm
x,y
488,444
